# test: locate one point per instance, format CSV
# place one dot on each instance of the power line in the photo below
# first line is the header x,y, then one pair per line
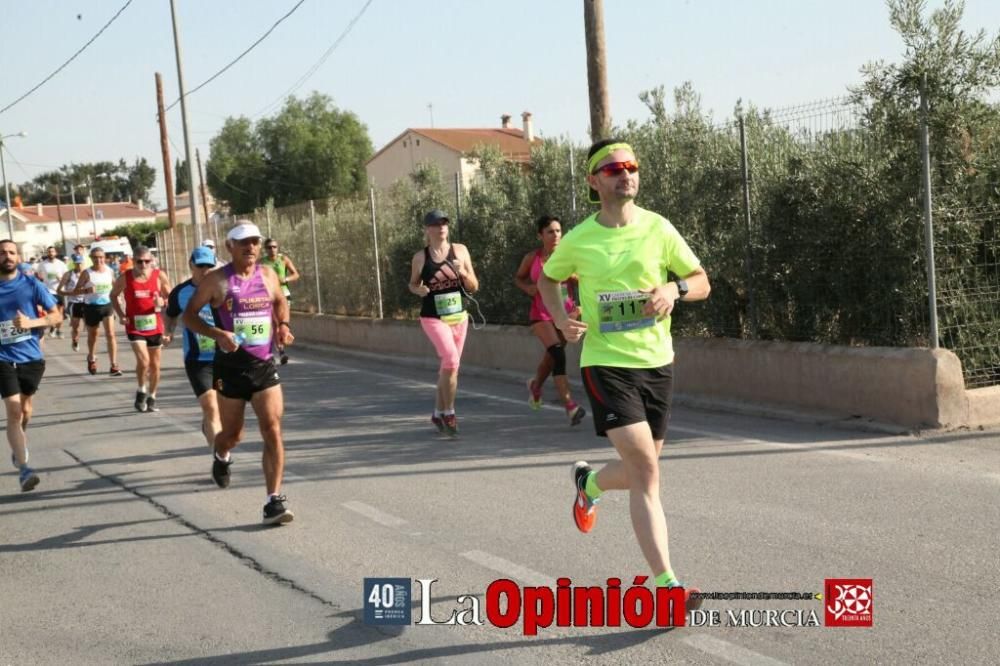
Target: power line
x,y
71,59
209,169
239,57
20,166
319,63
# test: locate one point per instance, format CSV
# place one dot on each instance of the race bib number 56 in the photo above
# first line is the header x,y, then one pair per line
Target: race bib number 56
x,y
255,330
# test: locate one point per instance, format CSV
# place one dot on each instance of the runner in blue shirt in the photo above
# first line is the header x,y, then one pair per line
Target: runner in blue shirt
x,y
199,350
21,362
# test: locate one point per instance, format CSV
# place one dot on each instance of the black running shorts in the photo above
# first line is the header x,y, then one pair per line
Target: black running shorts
x,y
75,310
93,315
20,378
152,341
239,375
623,396
200,376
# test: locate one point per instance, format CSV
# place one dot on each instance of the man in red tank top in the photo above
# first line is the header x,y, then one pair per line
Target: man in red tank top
x,y
145,290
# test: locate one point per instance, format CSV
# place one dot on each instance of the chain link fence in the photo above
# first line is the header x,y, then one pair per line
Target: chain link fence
x,y
809,221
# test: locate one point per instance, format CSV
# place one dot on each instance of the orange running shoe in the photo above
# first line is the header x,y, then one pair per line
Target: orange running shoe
x,y
584,511
690,603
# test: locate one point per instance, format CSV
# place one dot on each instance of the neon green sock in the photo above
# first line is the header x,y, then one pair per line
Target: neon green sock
x,y
666,579
591,488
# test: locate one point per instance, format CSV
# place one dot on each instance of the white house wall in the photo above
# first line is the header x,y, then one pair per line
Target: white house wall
x,y
401,158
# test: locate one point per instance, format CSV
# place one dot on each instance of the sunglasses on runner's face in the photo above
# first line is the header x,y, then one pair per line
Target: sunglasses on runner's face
x,y
616,168
272,247
143,261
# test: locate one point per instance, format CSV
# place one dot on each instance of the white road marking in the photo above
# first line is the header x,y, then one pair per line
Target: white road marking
x,y
699,432
728,651
370,512
508,568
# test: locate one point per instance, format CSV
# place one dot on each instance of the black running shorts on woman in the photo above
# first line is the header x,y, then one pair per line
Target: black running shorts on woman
x,y
93,314
623,396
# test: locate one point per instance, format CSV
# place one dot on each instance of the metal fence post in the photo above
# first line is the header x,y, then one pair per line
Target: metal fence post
x,y
378,266
161,244
925,154
751,305
172,242
312,225
184,241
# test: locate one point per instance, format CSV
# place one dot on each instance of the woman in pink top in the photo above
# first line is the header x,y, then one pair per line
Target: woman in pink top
x,y
554,359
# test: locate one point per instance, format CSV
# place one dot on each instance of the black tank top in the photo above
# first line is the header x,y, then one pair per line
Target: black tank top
x,y
441,279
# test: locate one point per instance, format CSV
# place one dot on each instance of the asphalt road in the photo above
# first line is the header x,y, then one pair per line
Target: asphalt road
x,y
128,553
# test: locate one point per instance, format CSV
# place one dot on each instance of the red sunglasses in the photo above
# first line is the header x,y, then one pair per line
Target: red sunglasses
x,y
617,168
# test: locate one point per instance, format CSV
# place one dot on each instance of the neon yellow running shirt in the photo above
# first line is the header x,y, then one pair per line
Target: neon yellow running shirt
x,y
612,264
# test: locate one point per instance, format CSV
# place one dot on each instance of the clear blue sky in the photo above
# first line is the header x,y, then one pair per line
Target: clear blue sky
x,y
471,59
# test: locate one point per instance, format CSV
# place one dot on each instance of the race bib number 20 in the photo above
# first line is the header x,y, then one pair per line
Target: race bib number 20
x,y
10,334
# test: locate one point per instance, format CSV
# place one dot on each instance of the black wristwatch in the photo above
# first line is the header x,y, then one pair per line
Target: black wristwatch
x,y
682,288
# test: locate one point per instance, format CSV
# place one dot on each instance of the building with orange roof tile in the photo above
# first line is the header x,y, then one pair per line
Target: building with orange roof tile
x,y
36,226
448,149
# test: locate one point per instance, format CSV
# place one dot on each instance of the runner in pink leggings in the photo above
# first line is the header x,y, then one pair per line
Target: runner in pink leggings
x,y
440,273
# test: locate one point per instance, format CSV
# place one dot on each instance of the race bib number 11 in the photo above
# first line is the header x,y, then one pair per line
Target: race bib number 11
x,y
623,311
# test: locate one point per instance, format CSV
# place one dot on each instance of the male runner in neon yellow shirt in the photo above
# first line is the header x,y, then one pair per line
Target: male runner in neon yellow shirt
x,y
623,257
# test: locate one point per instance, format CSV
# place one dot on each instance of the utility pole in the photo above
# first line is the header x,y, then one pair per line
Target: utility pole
x,y
62,229
597,76
93,211
201,186
76,218
168,173
184,121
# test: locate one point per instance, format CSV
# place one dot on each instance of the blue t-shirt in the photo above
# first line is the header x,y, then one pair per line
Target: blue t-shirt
x,y
196,347
25,294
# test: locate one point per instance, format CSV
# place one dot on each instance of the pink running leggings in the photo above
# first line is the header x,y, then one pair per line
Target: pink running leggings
x,y
448,340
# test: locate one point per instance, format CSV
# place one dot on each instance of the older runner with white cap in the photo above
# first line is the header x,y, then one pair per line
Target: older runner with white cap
x,y
248,301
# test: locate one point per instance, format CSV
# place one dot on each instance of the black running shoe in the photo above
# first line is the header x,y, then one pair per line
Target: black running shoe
x,y
151,404
115,371
283,359
275,512
220,471
140,401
